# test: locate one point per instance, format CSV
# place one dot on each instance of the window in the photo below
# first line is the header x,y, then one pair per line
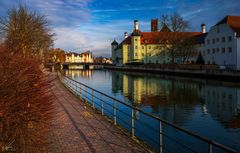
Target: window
x,y
208,41
208,51
142,47
136,54
229,38
136,47
223,39
223,50
213,50
230,49
149,54
149,47
213,41
217,50
217,39
135,39
142,54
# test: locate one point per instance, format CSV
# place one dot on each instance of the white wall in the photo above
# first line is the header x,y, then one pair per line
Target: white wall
x,y
238,53
219,57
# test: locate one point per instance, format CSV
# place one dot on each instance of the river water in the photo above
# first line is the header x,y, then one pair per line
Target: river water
x,y
206,107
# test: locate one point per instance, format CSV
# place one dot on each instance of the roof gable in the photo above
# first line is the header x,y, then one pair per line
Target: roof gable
x,y
233,22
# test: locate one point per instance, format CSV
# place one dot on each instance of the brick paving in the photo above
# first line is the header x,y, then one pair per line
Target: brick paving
x,y
75,127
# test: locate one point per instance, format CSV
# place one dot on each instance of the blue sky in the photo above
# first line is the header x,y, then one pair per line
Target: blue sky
x,y
93,24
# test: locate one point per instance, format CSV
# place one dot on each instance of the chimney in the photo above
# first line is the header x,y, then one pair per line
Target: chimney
x,y
154,25
135,24
125,35
203,28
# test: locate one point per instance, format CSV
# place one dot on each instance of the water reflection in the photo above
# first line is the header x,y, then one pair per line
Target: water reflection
x,y
78,74
223,104
176,100
209,108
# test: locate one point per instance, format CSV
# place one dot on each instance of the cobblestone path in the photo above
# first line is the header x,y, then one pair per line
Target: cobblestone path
x,y
75,127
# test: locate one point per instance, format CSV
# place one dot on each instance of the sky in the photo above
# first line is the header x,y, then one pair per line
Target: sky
x,y
82,25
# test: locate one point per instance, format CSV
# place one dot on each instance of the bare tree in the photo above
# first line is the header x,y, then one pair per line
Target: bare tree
x,y
187,49
175,22
26,31
178,43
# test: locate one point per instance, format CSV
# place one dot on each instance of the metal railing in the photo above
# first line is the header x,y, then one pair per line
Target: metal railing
x,y
161,135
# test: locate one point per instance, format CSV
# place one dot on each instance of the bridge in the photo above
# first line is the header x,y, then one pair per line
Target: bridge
x,y
82,66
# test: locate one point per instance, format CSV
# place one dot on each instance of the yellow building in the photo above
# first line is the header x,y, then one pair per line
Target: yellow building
x,y
147,47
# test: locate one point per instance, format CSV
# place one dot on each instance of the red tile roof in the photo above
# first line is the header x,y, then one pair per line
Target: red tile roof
x,y
233,22
161,37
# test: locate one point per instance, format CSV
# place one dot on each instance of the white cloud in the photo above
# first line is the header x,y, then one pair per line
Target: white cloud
x,y
94,37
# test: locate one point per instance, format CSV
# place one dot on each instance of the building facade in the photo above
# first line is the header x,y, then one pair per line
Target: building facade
x,y
222,43
85,57
147,47
220,46
73,57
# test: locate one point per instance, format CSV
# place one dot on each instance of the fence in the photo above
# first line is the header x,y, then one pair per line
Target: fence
x,y
160,135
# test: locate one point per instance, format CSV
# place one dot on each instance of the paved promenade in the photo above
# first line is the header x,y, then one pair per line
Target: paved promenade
x,y
75,127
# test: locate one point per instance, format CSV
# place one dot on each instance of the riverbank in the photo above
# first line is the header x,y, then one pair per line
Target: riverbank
x,y
76,127
214,74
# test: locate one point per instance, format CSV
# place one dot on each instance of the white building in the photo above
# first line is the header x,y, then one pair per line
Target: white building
x,y
85,57
222,43
73,57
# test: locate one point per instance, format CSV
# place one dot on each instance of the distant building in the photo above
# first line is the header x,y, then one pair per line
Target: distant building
x,y
147,47
85,57
73,57
221,45
103,60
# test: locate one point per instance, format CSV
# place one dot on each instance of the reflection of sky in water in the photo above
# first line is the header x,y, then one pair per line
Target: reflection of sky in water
x,y
209,109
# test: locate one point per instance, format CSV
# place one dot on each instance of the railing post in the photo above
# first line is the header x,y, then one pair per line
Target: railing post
x,y
133,123
76,88
102,104
160,137
80,91
92,99
210,148
114,112
86,96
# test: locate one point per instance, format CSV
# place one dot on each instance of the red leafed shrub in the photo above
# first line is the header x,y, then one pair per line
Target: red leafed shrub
x,y
24,103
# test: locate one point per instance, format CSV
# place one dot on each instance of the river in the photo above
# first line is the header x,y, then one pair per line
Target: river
x,y
206,107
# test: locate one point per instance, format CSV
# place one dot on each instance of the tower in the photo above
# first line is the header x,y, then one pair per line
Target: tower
x,y
136,42
154,25
114,45
203,28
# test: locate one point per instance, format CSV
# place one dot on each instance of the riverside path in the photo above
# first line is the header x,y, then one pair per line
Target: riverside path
x,y
75,127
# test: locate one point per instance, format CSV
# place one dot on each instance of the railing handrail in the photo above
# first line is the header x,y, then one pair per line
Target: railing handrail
x,y
159,119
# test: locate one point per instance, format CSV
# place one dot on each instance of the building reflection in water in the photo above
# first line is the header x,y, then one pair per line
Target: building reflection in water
x,y
77,73
222,103
176,100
